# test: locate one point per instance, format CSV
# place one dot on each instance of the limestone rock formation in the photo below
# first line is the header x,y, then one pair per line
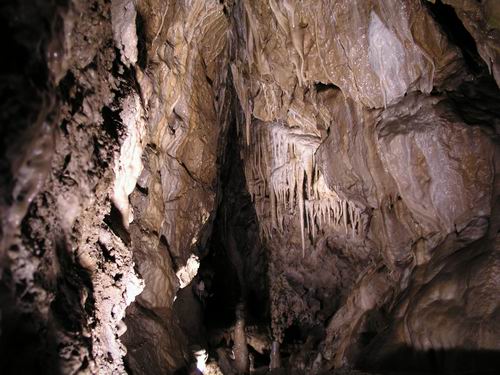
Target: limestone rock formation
x,y
363,170
249,186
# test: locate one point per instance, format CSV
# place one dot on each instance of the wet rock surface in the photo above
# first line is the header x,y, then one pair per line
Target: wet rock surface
x,y
366,172
242,186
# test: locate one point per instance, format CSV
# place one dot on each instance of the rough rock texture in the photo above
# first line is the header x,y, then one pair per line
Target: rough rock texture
x,y
184,92
126,84
68,274
313,177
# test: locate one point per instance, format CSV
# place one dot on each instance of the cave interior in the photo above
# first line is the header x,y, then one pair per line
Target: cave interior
x,y
208,187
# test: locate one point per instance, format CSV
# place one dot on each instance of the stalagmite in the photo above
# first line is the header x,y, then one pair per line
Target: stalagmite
x,y
240,348
275,356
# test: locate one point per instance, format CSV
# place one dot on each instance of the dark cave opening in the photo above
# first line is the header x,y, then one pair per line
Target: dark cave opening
x,y
237,259
447,17
233,270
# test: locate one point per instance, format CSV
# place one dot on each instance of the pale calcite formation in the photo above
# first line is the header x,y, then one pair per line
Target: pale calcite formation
x,y
186,273
283,178
129,164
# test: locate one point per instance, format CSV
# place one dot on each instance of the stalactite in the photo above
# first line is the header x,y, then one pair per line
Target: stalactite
x,y
283,179
301,211
247,128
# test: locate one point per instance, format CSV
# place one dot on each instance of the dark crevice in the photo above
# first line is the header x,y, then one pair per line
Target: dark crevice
x,y
106,253
143,189
234,267
112,122
235,234
142,43
321,87
164,245
115,222
456,32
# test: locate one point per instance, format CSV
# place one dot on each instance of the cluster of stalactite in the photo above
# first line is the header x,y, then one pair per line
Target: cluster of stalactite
x,y
283,179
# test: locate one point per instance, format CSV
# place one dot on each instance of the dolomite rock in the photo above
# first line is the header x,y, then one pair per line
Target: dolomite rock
x,y
186,120
446,308
79,274
155,344
443,168
373,52
118,112
123,17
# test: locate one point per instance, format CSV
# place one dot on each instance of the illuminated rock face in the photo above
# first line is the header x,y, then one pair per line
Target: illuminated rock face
x,y
115,173
362,181
367,133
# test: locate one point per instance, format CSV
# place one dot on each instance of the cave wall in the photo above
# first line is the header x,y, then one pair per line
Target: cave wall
x,y
130,98
187,94
367,133
372,173
67,277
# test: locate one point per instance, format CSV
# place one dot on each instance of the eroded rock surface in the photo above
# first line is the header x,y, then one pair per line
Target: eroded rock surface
x,y
69,276
184,90
351,213
134,95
